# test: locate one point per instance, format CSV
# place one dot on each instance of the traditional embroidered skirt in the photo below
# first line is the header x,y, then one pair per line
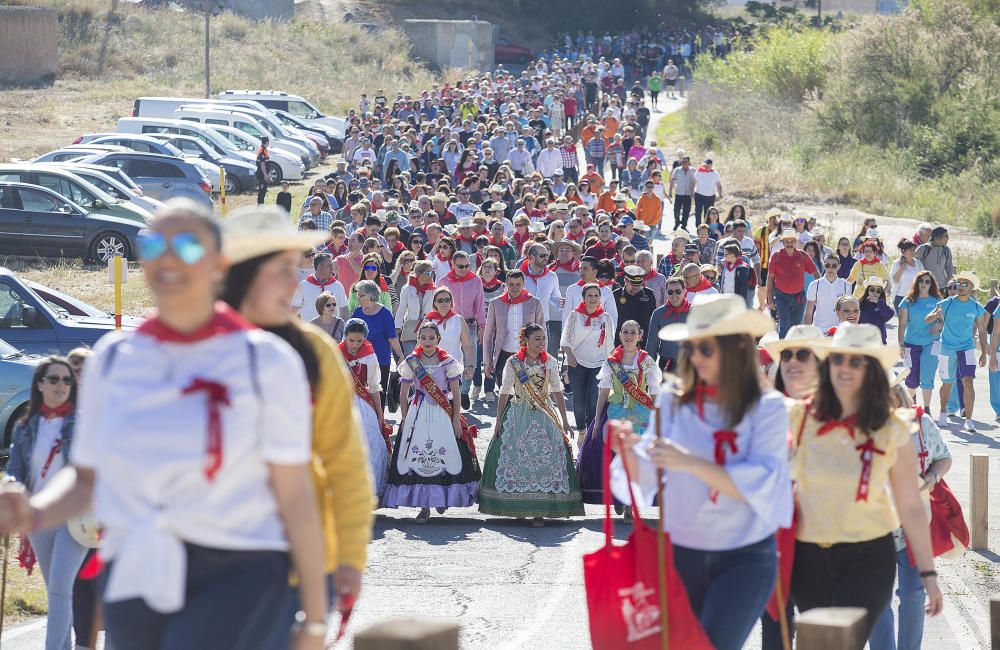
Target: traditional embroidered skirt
x,y
378,455
590,463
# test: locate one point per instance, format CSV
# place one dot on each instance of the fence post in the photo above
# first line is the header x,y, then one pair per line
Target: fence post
x,y
979,470
409,634
831,628
680,86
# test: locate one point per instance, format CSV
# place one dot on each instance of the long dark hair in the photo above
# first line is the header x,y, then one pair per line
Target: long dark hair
x,y
874,392
739,377
35,401
935,291
234,292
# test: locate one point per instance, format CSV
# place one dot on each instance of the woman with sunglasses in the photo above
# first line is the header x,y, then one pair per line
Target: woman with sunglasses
x,y
440,256
415,300
724,452
917,338
400,276
454,331
415,244
41,441
874,309
175,544
844,552
371,269
528,471
381,327
328,320
433,464
259,285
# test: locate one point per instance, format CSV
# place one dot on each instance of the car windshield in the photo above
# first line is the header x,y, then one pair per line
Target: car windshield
x,y
303,109
7,350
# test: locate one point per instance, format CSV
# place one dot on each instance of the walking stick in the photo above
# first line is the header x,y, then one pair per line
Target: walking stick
x,y
661,551
786,639
3,582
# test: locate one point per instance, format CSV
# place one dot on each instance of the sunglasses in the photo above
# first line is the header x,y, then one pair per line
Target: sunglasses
x,y
371,268
801,355
53,380
675,292
964,283
704,349
331,305
853,360
874,290
185,245
924,281
441,301
831,266
952,287
461,266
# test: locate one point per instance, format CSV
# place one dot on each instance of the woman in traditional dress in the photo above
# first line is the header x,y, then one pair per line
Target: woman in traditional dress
x,y
529,466
434,464
628,386
366,377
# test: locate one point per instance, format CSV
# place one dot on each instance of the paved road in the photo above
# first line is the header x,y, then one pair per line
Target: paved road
x,y
514,586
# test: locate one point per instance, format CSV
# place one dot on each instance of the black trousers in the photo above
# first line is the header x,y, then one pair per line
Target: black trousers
x,y
859,574
682,210
702,203
261,189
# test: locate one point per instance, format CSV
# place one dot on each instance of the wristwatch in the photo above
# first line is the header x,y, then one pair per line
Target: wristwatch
x,y
312,628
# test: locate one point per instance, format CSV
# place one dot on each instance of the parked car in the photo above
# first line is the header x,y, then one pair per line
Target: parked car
x,y
281,166
506,52
239,172
293,104
247,123
37,319
146,144
162,177
328,135
16,371
37,221
113,181
68,153
79,190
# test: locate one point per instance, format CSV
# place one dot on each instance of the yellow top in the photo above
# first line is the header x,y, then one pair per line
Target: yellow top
x,y
861,272
827,472
340,460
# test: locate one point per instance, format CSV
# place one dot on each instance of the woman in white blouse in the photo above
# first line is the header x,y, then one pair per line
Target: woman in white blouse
x,y
415,299
588,338
193,446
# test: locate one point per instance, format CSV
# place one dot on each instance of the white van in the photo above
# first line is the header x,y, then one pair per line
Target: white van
x,y
246,142
244,122
292,104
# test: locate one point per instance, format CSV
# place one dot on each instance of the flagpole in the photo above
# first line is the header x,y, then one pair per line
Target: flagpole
x,y
3,582
786,640
661,549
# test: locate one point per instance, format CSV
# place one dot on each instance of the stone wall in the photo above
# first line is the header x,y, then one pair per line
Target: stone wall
x,y
29,42
452,43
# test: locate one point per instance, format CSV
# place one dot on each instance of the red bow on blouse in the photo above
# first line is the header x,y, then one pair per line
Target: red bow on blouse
x,y
868,451
701,391
435,315
61,411
218,395
723,439
830,425
522,355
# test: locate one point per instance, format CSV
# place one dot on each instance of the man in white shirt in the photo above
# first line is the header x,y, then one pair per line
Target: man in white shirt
x,y
549,159
520,160
706,188
321,280
822,295
544,285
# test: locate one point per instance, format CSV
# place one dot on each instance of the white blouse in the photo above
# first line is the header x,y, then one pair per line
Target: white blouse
x,y
49,431
147,441
373,372
585,342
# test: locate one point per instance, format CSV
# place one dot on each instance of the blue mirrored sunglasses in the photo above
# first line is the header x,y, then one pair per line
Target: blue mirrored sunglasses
x,y
185,245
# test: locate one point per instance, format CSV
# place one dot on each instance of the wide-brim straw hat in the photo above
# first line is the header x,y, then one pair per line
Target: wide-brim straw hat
x,y
875,281
968,276
719,315
789,233
798,336
498,206
569,242
254,231
536,226
858,339
640,226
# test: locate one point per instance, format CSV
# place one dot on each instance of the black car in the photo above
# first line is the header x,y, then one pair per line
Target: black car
x,y
36,221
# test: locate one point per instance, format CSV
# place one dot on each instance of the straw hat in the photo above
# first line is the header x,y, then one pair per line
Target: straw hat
x,y
798,336
465,222
858,339
536,226
875,281
640,226
561,206
496,187
968,276
450,229
439,196
789,233
498,206
254,231
577,248
618,198
719,315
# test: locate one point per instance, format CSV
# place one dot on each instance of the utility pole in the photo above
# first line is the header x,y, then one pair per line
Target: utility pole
x,y
208,75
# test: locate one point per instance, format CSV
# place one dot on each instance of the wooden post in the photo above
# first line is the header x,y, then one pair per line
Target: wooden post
x,y
995,622
831,628
979,524
680,86
409,634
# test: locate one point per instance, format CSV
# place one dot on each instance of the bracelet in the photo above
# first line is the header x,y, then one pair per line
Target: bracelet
x,y
314,628
928,574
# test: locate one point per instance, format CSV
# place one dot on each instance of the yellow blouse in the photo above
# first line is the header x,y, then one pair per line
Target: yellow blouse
x,y
827,471
861,272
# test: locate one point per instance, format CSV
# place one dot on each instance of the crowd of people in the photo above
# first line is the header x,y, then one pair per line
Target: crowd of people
x,y
488,247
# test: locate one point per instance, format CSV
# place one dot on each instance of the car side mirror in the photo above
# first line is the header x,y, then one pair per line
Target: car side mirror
x,y
29,316
65,209
99,204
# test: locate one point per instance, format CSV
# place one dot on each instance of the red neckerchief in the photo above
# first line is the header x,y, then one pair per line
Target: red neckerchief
x,y
522,355
421,288
442,355
703,168
701,286
526,269
649,276
737,263
490,287
365,349
582,309
443,259
522,297
830,425
519,240
435,315
701,391
582,282
218,396
61,411
609,245
682,308
398,247
454,278
498,242
336,252
722,439
868,451
322,284
619,353
225,321
572,267
605,283
874,261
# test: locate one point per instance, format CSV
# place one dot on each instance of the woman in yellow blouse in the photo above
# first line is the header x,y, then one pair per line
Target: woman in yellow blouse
x,y
869,265
851,449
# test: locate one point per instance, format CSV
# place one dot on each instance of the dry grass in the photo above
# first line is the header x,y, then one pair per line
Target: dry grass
x,y
26,597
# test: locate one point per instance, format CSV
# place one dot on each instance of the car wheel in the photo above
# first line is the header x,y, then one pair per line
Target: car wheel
x,y
107,245
274,175
232,184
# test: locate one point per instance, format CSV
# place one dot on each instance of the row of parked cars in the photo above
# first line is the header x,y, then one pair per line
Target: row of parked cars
x,y
91,198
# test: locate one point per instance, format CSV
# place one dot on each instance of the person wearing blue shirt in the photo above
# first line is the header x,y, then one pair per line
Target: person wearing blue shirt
x,y
381,327
993,309
960,318
917,337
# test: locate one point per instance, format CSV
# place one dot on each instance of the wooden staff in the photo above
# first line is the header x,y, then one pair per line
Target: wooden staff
x,y
3,582
661,549
786,639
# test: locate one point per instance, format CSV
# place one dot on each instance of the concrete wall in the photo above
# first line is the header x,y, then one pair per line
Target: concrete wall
x,y
264,9
29,41
452,43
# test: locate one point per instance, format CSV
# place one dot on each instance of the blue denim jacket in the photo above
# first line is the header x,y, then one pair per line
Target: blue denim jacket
x,y
23,444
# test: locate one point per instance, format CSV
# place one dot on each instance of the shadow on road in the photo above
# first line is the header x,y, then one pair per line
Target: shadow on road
x,y
441,530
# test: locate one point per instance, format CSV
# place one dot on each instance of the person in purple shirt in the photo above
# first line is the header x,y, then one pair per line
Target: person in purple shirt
x,y
874,309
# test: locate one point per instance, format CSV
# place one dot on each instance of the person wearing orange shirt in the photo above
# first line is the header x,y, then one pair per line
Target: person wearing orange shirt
x,y
588,132
610,124
596,180
606,201
650,208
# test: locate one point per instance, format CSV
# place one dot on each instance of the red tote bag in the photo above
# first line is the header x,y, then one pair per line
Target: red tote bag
x,y
622,585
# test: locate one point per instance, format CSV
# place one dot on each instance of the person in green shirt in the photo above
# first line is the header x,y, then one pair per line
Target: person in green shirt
x,y
653,84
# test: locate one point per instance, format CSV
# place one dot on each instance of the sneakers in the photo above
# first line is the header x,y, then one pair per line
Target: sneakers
x,y
466,404
423,516
476,392
943,420
969,426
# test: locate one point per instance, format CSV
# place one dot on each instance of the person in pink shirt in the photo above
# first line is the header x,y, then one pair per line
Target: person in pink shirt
x,y
349,264
467,292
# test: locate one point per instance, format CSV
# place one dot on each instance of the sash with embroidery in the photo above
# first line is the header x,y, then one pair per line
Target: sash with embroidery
x,y
537,401
434,391
362,391
630,386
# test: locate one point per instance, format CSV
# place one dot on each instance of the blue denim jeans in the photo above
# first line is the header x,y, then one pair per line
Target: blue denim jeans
x,y
716,580
466,384
911,594
584,383
283,616
60,558
791,309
